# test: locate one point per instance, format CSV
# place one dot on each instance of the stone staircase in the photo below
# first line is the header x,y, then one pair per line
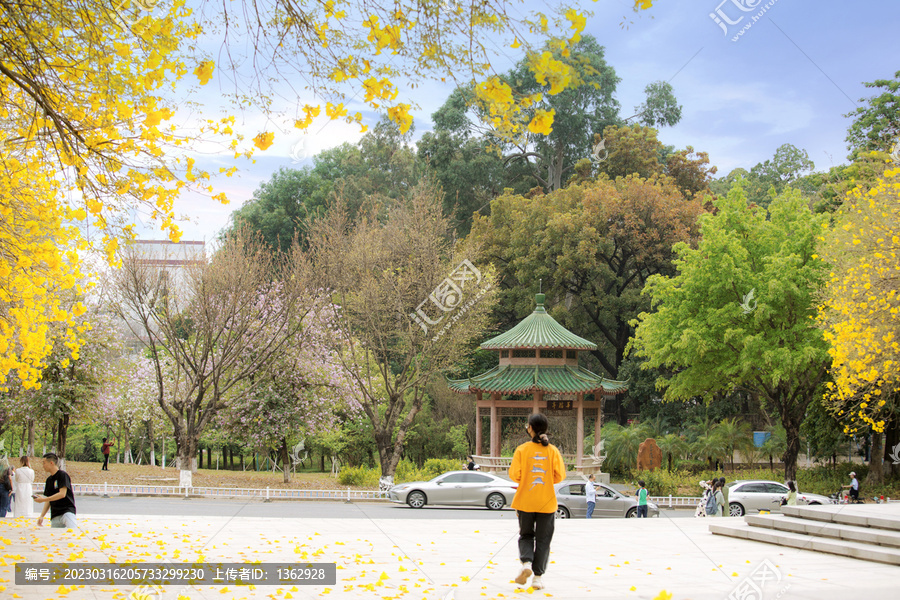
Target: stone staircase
x,y
868,532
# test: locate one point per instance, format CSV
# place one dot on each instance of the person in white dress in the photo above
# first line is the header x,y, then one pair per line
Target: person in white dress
x,y
22,486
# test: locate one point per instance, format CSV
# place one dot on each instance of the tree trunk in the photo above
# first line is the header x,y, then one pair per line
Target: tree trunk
x,y
126,447
186,448
876,462
322,462
152,442
62,434
30,437
285,460
792,448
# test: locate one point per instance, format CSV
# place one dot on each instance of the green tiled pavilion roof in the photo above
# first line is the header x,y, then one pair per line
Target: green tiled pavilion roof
x,y
561,379
538,330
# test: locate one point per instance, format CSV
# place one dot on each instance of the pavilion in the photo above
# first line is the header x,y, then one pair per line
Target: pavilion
x,y
538,356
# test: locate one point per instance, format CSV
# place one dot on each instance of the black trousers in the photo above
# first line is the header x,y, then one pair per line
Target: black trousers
x,y
105,462
535,534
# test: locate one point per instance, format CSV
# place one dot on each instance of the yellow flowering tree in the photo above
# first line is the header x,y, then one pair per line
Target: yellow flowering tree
x,y
84,143
89,90
861,308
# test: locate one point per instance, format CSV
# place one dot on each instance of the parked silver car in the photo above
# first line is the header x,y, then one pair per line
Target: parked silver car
x,y
456,488
572,502
751,496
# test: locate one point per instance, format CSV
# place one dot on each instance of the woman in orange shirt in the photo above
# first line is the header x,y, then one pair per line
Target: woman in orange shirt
x,y
537,467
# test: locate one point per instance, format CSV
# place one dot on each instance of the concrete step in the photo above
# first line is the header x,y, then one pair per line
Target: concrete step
x,y
854,533
878,516
846,548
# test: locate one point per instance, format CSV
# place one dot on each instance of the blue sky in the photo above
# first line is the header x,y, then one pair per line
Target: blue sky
x,y
789,78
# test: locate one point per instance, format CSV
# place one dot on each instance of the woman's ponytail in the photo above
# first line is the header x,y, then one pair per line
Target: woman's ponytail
x,y
539,426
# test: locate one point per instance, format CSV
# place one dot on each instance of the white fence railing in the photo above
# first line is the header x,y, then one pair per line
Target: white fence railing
x,y
675,501
104,489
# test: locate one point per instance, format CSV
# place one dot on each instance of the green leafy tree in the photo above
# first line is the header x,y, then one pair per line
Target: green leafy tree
x,y
740,313
736,435
621,443
660,108
381,168
581,111
710,445
775,444
594,246
876,125
823,433
279,206
674,447
787,168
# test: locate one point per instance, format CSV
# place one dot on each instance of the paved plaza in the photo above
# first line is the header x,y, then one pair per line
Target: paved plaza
x,y
437,559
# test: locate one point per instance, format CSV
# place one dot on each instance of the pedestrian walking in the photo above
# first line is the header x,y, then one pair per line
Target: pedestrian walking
x,y
707,490
720,500
105,450
537,466
791,499
727,512
5,490
22,484
58,496
590,493
642,500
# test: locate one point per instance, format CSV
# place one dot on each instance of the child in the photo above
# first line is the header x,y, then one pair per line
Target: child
x,y
642,500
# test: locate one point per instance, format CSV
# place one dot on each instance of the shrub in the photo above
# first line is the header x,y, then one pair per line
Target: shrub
x,y
436,466
359,476
660,482
408,471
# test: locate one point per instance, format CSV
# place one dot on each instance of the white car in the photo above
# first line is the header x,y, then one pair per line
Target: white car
x,y
751,496
456,488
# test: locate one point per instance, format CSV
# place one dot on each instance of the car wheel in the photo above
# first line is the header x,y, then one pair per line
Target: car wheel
x,y
416,499
735,510
632,513
562,512
496,501
815,504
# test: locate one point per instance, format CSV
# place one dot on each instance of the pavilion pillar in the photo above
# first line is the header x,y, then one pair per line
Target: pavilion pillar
x,y
495,426
477,424
536,397
579,431
598,424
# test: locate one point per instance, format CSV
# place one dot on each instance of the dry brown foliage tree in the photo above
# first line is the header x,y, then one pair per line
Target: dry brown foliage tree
x,y
379,274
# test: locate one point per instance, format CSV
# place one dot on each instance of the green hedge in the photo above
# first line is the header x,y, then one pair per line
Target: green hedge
x,y
406,471
360,476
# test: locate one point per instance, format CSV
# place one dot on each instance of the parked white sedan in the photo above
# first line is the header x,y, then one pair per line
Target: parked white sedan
x,y
756,495
456,488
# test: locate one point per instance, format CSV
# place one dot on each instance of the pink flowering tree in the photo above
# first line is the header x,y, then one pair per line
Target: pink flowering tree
x,y
221,322
304,391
